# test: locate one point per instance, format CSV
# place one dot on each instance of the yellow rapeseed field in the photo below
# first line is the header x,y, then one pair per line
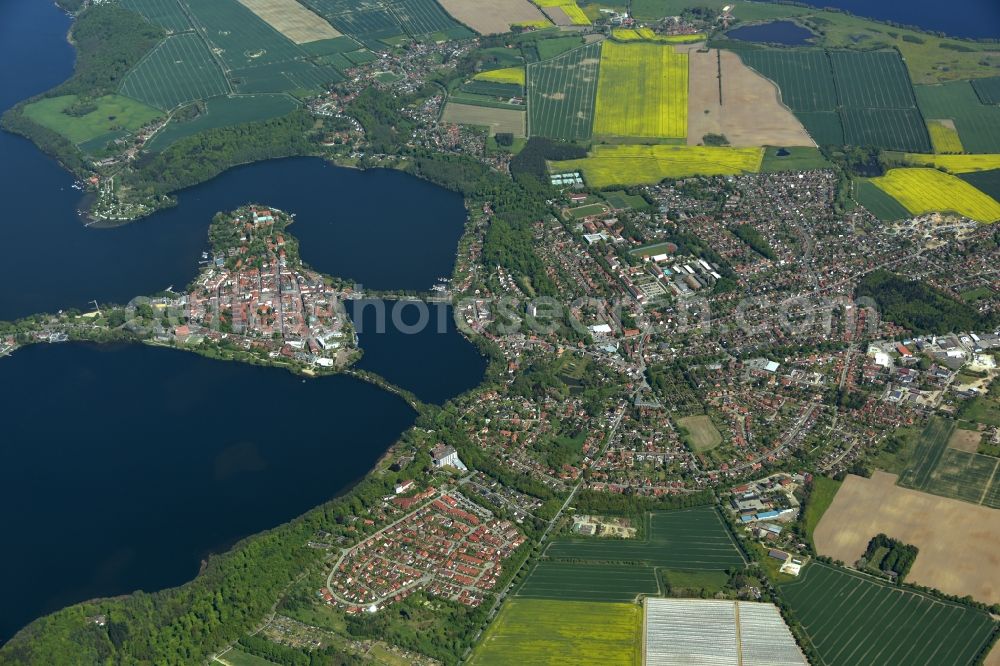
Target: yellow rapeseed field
x,y
647,34
924,190
541,631
642,91
944,139
955,163
505,75
572,10
635,165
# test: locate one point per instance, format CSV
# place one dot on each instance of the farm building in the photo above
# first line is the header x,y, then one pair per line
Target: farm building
x,y
680,632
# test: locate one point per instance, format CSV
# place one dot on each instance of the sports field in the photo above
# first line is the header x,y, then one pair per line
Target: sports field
x,y
589,582
223,112
956,163
854,620
957,555
642,91
923,190
506,75
561,94
179,70
690,539
633,164
104,115
944,136
535,631
702,433
292,20
978,124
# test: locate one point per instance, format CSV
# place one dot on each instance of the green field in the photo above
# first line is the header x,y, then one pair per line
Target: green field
x,y
619,200
854,97
854,620
988,90
165,13
800,158
237,657
871,80
820,498
892,129
179,70
110,114
380,22
702,433
240,37
978,124
984,181
561,94
294,76
550,48
222,112
804,76
961,475
930,447
589,582
688,539
937,469
878,203
825,127
534,631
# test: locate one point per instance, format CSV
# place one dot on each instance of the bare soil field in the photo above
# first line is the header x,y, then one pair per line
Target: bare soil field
x,y
965,440
292,20
750,112
957,540
490,17
557,15
498,120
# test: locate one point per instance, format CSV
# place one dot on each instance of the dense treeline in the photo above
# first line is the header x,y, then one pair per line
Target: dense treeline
x,y
287,656
205,155
897,558
918,307
50,142
531,159
754,239
591,501
109,41
516,205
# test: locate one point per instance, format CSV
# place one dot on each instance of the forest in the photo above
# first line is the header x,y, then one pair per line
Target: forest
x,y
918,307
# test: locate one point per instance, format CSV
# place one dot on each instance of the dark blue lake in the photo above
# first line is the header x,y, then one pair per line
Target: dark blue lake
x,y
975,19
123,466
416,346
383,228
788,33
